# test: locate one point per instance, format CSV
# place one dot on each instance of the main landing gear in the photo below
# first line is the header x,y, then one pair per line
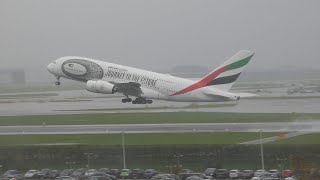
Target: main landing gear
x,y
138,100
142,101
57,83
125,100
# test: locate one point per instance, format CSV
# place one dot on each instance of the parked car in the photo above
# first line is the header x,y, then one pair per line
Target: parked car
x,y
184,176
105,170
259,173
13,177
137,173
270,176
66,172
286,173
89,172
54,174
105,175
11,172
210,172
222,174
275,172
256,178
31,174
291,178
149,173
194,178
234,174
186,171
98,178
165,177
247,174
65,178
125,173
115,172
79,173
44,173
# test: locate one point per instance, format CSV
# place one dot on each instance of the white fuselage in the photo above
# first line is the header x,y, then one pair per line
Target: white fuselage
x,y
154,85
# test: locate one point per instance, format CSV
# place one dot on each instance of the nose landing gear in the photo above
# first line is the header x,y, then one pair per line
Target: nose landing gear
x,y
57,83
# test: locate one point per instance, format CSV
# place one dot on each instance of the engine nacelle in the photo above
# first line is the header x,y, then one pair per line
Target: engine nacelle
x,y
100,87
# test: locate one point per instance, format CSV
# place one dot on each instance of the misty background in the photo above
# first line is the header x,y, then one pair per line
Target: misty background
x,y
164,36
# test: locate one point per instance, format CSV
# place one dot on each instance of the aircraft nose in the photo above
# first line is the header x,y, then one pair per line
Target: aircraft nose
x,y
50,68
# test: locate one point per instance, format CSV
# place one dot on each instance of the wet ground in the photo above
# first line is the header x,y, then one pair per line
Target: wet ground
x,y
273,100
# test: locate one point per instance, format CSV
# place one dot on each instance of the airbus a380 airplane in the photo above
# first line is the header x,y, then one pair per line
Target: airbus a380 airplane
x,y
108,78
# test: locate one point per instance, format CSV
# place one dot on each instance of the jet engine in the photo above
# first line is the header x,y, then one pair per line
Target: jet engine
x,y
100,87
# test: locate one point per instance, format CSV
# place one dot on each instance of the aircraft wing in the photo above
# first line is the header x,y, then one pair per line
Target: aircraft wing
x,y
128,88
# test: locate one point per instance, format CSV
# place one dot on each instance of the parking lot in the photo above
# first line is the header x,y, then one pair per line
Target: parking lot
x,y
114,174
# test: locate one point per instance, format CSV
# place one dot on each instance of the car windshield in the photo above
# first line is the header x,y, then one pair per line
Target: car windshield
x,y
209,170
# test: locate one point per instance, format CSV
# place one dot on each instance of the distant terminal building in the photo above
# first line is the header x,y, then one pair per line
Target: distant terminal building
x,y
12,76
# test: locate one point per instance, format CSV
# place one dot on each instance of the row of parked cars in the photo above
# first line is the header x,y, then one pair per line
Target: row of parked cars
x,y
113,174
81,174
272,174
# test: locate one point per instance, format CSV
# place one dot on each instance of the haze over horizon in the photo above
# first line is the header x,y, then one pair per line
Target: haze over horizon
x,y
159,35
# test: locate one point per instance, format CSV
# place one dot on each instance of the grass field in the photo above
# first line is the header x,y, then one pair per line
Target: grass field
x,y
313,138
132,139
148,118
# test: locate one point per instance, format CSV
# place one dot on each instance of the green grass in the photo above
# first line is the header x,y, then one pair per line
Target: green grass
x,y
313,138
148,118
132,139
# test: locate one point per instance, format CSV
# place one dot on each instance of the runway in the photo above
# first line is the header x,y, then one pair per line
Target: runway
x,y
162,128
82,102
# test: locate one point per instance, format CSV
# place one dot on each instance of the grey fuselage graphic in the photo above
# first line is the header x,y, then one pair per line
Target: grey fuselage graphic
x,y
82,70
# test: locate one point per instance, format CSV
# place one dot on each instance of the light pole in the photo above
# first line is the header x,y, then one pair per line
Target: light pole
x,y
178,156
261,150
123,151
70,163
88,159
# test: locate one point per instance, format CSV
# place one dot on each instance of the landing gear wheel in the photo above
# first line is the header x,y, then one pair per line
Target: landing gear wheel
x,y
125,100
141,100
57,83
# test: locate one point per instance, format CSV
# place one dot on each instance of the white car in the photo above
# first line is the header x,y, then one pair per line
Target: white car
x,y
256,178
260,173
290,178
90,172
276,172
31,174
234,174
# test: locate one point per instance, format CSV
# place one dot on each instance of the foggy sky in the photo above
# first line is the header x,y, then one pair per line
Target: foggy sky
x,y
160,34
